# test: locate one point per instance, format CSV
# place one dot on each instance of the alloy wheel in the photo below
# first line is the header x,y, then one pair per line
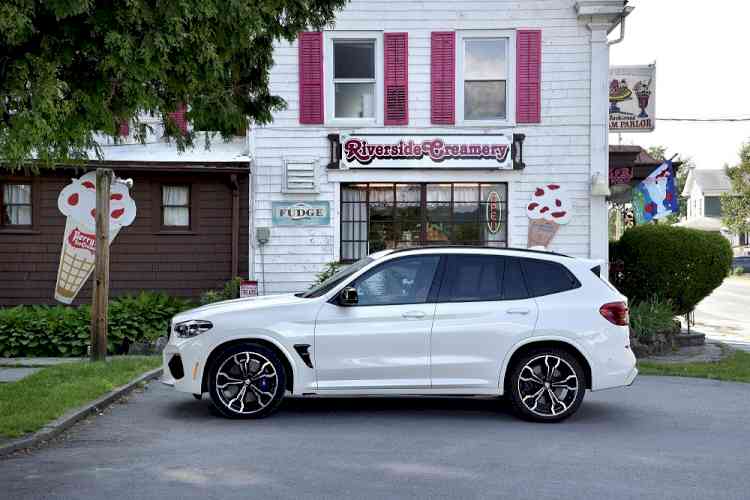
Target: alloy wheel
x,y
548,385
246,383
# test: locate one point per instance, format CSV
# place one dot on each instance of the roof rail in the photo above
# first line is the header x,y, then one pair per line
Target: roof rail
x,y
477,247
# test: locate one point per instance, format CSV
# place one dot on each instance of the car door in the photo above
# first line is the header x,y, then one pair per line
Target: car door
x,y
382,342
483,310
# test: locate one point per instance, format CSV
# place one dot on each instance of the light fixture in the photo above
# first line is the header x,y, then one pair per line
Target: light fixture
x,y
599,186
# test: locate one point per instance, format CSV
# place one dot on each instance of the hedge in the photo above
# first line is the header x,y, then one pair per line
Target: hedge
x,y
677,265
64,331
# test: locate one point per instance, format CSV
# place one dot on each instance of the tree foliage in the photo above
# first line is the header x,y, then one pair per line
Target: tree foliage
x,y
70,68
735,205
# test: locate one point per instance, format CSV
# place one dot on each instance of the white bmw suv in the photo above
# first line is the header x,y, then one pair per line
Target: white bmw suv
x,y
537,327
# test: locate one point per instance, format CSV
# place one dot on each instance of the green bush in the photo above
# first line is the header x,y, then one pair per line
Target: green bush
x,y
64,331
677,265
230,290
651,317
738,271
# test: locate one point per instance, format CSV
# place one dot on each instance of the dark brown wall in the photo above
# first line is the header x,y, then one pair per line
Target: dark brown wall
x,y
143,257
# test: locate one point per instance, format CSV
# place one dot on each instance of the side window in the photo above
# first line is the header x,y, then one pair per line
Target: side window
x,y
545,277
472,278
514,288
399,281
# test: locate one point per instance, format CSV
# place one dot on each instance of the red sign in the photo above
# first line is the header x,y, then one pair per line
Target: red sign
x,y
621,175
493,212
79,239
248,288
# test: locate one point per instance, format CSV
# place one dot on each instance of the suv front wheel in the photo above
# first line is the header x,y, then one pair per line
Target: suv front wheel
x,y
547,385
246,381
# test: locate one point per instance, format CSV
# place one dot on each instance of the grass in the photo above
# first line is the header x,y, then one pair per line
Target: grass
x,y
30,403
735,367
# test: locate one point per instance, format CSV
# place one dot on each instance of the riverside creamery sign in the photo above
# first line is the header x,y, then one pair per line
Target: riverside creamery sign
x,y
426,151
301,213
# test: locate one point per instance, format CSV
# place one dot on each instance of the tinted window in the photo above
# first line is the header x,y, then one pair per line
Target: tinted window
x,y
544,277
471,278
514,287
399,281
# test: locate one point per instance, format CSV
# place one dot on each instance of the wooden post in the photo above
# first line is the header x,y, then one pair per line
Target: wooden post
x,y
100,299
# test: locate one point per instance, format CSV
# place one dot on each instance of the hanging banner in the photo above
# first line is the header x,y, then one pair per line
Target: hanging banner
x,y
77,201
632,102
656,196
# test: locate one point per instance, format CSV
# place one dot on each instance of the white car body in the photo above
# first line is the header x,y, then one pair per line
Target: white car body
x,y
458,348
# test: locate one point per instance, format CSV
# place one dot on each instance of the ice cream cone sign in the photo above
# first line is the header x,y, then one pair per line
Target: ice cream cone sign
x,y
548,209
77,201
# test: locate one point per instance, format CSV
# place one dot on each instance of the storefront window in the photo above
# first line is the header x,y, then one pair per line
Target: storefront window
x,y
379,216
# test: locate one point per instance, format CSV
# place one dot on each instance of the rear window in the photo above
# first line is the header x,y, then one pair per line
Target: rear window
x,y
545,278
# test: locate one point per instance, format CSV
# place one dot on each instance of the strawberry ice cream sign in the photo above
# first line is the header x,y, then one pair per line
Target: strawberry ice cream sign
x,y
77,201
420,151
548,209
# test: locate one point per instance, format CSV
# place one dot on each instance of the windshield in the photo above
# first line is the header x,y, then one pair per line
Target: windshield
x,y
337,278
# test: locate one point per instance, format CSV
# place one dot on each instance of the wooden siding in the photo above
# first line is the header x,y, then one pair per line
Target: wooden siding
x,y
183,264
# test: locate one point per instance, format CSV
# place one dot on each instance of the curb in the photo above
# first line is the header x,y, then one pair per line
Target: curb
x,y
60,425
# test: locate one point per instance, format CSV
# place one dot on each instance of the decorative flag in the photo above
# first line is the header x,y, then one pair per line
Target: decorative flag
x,y
656,196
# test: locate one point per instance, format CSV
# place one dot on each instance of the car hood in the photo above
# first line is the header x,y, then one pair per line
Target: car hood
x,y
240,305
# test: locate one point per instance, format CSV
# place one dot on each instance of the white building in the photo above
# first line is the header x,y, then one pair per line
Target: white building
x,y
510,96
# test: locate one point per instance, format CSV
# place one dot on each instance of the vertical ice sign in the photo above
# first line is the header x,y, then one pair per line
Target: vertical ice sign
x,y
77,201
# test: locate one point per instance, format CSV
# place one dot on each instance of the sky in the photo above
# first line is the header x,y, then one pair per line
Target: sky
x,y
702,71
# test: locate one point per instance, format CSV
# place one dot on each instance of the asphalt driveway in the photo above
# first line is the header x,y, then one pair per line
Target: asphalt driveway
x,y
661,438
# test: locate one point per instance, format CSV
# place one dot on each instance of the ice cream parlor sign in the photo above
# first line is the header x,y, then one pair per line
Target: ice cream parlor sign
x,y
632,98
77,201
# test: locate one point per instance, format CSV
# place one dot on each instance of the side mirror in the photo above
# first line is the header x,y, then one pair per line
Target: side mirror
x,y
348,296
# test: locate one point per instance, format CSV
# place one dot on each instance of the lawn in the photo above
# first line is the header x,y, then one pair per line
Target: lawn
x,y
27,405
735,367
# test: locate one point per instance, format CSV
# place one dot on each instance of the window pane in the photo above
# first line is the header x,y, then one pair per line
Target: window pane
x,y
484,58
484,100
14,194
354,59
544,277
439,192
471,278
401,281
175,195
408,193
409,232
514,287
466,192
467,234
18,215
177,216
355,100
439,232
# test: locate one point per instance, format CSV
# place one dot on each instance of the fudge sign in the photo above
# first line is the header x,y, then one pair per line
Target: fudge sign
x,y
301,213
424,151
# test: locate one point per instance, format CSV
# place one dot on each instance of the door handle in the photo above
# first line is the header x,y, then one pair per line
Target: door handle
x,y
413,315
519,310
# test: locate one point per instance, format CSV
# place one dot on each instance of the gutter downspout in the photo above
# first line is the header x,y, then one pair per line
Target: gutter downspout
x,y
623,16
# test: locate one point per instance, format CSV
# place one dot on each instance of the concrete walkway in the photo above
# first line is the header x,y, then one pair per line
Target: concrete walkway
x,y
725,314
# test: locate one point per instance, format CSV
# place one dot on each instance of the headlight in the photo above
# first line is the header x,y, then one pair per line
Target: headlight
x,y
187,329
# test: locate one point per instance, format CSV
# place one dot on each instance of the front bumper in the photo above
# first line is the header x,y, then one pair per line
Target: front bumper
x,y
183,363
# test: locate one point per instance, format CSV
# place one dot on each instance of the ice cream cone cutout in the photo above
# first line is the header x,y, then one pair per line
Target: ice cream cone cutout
x,y
548,209
77,201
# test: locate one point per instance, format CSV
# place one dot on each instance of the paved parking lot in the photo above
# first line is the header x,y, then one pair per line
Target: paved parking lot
x,y
662,438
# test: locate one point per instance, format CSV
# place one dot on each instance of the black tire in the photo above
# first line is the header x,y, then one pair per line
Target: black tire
x,y
540,396
263,380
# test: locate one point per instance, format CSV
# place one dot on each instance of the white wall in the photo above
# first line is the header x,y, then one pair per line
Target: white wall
x,y
557,150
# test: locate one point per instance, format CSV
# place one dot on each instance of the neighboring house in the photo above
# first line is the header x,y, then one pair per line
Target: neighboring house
x,y
703,190
337,175
190,233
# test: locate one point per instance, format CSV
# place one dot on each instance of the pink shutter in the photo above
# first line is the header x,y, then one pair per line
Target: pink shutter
x,y
311,77
528,76
123,128
443,78
396,66
179,118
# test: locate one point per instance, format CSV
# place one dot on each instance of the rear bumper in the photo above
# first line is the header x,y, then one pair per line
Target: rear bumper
x,y
616,371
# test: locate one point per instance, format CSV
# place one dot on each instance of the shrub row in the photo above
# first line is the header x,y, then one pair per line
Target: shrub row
x,y
64,331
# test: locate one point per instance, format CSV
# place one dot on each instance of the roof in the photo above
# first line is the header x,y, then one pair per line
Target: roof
x,y
710,181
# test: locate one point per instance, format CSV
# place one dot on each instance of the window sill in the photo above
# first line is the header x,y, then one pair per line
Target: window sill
x,y
18,231
176,232
351,123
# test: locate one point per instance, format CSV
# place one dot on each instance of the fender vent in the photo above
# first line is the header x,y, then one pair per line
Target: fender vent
x,y
304,353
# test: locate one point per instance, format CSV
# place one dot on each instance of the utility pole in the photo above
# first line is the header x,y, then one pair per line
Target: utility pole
x,y
100,299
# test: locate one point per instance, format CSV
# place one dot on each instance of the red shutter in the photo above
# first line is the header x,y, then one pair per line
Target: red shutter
x,y
123,128
179,118
528,76
311,77
396,66
443,78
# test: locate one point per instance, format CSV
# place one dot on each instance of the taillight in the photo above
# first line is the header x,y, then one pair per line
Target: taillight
x,y
616,313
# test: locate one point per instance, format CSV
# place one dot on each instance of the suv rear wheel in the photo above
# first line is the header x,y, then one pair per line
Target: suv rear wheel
x,y
547,385
246,381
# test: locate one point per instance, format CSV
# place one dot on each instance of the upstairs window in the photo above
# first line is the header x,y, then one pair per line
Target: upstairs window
x,y
175,206
484,78
16,205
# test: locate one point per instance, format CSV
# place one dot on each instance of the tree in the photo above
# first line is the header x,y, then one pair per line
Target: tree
x,y
71,68
735,205
660,153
